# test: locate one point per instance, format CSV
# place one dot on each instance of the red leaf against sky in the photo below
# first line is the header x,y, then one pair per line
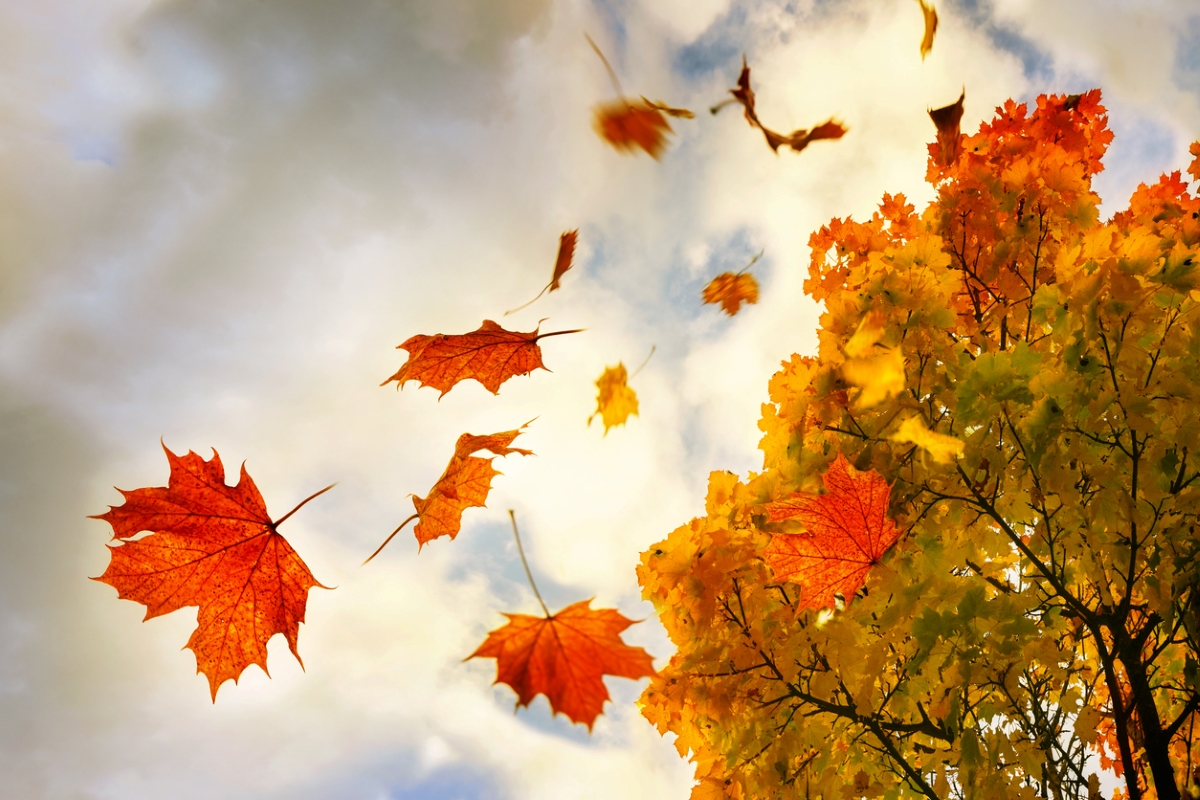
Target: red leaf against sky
x,y
564,657
947,119
212,546
566,253
465,484
490,355
629,124
847,532
797,139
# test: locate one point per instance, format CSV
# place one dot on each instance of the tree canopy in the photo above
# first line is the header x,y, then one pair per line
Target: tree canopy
x,y
1025,377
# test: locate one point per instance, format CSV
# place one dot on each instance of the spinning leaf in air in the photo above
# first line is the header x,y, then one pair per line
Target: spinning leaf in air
x,y
931,23
616,401
628,124
465,484
847,532
947,119
564,656
212,546
797,139
566,253
731,290
490,355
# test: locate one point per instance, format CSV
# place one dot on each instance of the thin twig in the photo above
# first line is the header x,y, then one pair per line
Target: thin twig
x,y
279,521
525,563
391,536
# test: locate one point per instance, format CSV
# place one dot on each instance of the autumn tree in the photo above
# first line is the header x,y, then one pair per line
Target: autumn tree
x,y
1011,384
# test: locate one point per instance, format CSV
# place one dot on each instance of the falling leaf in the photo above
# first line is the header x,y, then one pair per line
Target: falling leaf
x,y
490,355
731,290
616,400
630,124
944,449
947,119
847,532
566,253
877,370
798,139
212,546
464,484
1194,168
931,23
564,657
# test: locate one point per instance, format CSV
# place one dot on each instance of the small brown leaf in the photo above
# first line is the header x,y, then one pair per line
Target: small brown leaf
x,y
797,139
947,119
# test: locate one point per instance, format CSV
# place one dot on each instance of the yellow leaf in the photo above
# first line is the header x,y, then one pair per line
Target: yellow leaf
x,y
1085,724
880,377
616,400
943,448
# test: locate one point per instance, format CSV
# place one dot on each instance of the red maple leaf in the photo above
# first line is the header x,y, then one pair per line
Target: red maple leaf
x,y
212,546
564,657
847,532
490,355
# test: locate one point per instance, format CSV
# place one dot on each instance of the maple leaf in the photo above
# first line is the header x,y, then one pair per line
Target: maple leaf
x,y
848,531
566,253
931,23
564,657
731,290
490,355
949,139
944,449
629,124
464,484
1194,168
878,371
797,139
212,546
616,401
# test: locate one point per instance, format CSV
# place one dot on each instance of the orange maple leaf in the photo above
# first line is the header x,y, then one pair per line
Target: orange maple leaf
x,y
947,120
847,532
629,124
564,657
797,139
465,484
931,23
566,253
1194,168
731,290
212,546
490,355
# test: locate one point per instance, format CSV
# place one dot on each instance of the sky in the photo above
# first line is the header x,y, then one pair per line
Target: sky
x,y
218,218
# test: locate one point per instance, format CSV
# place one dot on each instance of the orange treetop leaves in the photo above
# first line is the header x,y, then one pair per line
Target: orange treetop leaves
x,y
212,546
731,290
465,484
797,139
564,657
629,124
847,532
947,120
931,23
490,355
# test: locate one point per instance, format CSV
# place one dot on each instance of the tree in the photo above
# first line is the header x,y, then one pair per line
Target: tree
x,y
1025,377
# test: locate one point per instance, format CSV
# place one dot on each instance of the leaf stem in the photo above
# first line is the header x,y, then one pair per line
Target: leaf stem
x,y
559,333
525,563
753,261
279,521
611,75
391,536
653,347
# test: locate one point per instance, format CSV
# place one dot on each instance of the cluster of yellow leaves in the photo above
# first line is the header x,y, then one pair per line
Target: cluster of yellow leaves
x,y
1025,376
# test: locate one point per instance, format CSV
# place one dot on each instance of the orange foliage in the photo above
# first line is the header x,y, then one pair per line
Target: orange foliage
x,y
212,546
564,657
847,532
